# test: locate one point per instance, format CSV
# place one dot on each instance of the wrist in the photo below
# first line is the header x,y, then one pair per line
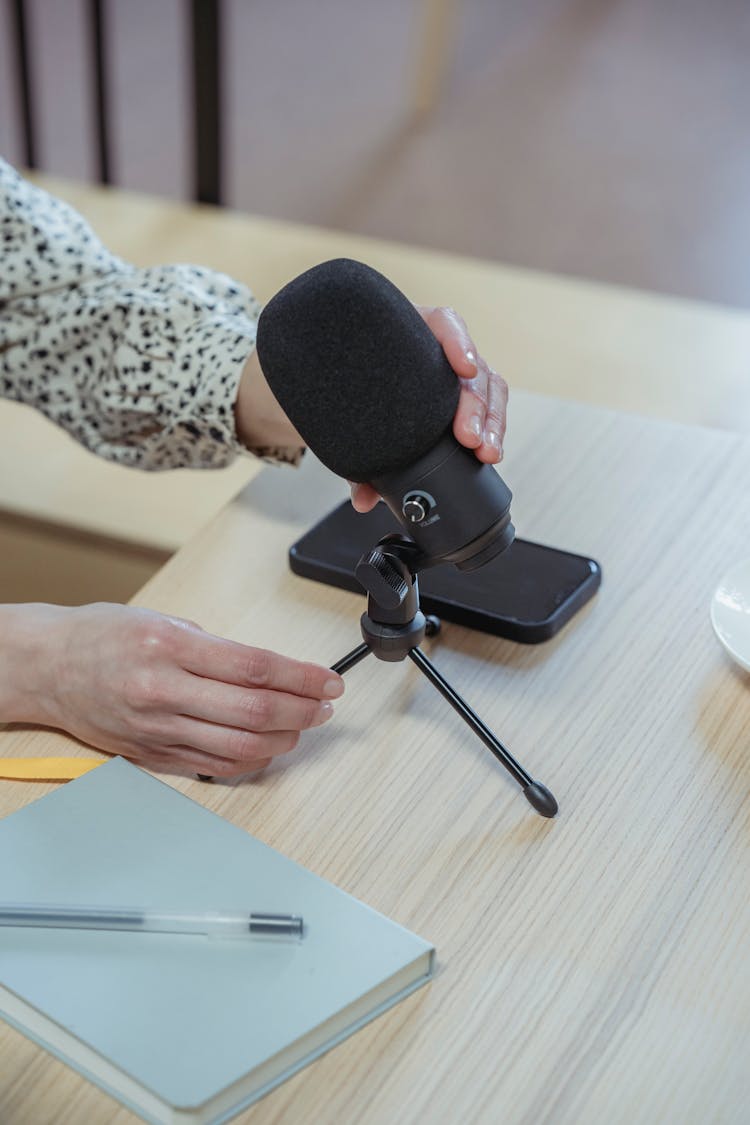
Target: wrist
x,y
259,420
27,662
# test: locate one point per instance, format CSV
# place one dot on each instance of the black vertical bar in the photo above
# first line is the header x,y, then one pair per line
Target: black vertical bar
x,y
23,81
206,34
100,90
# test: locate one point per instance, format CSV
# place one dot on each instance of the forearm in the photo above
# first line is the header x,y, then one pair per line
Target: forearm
x,y
142,366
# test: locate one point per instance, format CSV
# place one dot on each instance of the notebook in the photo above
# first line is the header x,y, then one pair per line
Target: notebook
x,y
183,1028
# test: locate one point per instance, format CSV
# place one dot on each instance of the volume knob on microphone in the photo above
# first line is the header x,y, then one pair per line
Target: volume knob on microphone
x,y
416,508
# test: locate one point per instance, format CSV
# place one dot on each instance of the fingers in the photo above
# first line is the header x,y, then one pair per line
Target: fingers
x,y
232,663
209,749
205,766
253,709
161,691
449,328
364,496
261,765
226,750
480,418
242,705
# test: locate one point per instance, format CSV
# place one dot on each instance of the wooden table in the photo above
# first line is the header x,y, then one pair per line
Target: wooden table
x,y
594,968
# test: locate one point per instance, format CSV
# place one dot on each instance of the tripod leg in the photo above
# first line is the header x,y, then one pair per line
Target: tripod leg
x,y
536,794
351,658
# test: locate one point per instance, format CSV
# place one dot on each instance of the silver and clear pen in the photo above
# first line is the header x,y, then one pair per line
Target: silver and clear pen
x,y
228,924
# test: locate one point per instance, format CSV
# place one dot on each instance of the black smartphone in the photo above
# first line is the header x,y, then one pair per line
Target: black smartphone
x,y
526,594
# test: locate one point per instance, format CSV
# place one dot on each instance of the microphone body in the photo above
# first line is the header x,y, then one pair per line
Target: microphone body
x,y
364,381
456,509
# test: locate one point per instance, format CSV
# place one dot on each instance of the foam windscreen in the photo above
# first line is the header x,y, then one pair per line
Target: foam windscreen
x,y
356,369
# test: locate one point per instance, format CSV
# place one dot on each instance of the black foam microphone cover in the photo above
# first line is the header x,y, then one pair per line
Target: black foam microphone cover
x,y
356,369
367,385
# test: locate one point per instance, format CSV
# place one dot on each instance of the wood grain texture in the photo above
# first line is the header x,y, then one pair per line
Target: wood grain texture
x,y
591,968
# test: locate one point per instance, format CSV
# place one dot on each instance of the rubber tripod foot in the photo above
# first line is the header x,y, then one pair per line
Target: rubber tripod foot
x,y
540,798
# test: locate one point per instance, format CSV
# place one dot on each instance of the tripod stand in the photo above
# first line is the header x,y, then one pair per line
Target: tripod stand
x,y
394,626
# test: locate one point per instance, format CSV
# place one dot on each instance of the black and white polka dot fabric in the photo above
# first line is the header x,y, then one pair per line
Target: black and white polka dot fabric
x,y
139,365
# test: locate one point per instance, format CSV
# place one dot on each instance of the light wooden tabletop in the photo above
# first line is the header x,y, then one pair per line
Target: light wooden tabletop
x,y
591,968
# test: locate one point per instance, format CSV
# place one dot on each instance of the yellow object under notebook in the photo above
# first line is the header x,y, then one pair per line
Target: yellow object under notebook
x,y
47,769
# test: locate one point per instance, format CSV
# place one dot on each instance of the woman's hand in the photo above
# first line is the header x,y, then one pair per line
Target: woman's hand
x,y
479,423
159,690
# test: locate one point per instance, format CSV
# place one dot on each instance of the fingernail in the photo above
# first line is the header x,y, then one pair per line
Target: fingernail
x,y
333,688
325,710
475,425
492,438
470,356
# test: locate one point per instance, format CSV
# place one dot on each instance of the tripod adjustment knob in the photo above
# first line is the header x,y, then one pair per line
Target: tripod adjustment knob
x,y
416,507
381,578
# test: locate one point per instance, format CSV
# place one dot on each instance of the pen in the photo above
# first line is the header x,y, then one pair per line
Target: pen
x,y
213,923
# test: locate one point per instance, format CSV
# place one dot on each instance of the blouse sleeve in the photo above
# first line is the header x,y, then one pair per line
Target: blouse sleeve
x,y
141,366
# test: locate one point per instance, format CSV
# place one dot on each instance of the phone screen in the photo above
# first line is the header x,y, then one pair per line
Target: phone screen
x,y
526,594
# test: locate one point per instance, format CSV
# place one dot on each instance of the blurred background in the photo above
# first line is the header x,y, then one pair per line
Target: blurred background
x,y
605,139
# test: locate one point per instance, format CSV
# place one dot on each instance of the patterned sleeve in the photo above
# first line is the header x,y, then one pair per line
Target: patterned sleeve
x,y
141,366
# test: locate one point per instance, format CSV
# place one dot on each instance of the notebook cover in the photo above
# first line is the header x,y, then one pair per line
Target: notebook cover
x,y
185,1016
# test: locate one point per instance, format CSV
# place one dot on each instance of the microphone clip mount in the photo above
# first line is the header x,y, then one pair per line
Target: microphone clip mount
x,y
393,623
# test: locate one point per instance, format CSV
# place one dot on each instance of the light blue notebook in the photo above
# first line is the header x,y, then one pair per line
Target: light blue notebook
x,y
183,1028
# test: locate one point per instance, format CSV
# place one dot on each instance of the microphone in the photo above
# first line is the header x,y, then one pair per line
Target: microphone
x,y
368,387
362,378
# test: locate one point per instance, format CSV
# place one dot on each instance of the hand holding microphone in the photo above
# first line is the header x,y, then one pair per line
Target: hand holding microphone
x,y
480,418
368,386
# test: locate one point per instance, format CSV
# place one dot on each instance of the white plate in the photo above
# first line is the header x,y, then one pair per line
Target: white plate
x,y
730,613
